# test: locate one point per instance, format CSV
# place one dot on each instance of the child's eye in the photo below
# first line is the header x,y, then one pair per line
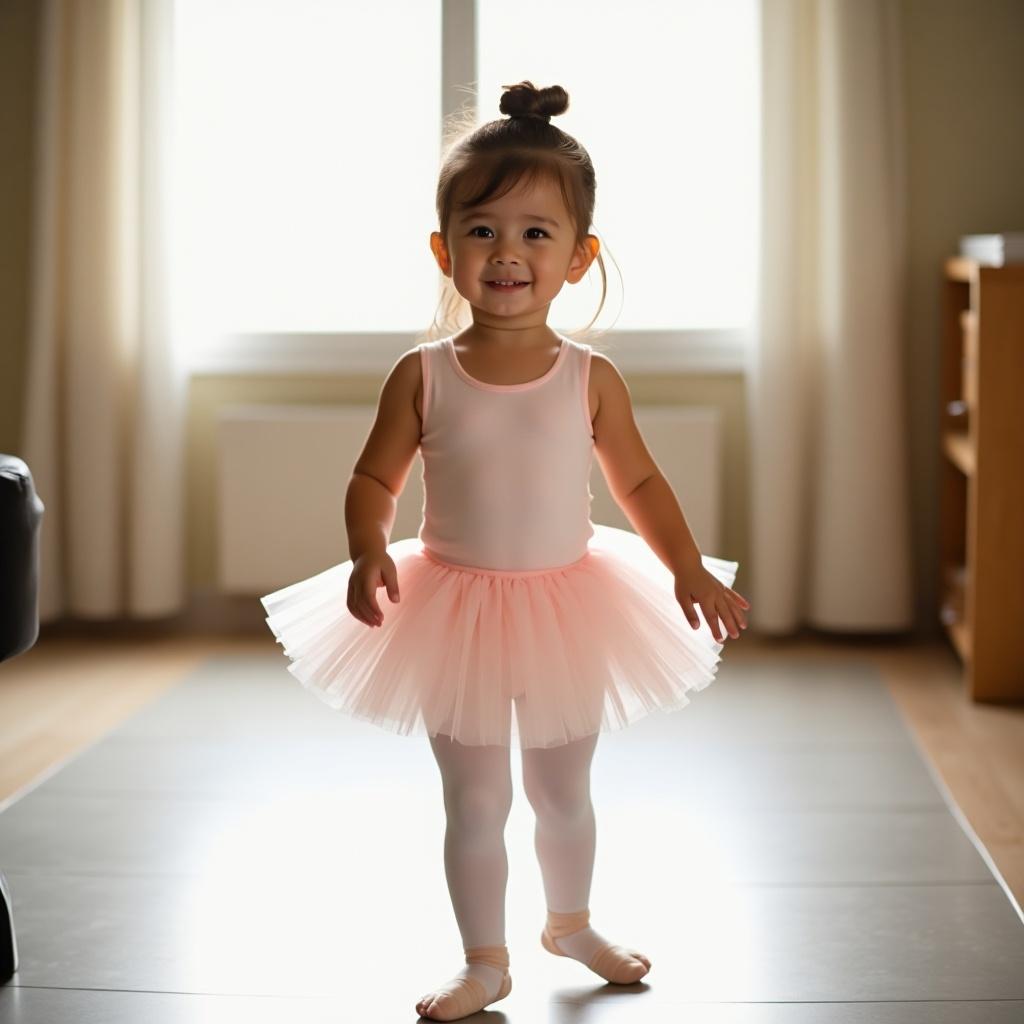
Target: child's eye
x,y
541,230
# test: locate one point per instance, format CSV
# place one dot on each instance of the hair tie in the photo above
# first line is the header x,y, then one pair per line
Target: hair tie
x,y
543,117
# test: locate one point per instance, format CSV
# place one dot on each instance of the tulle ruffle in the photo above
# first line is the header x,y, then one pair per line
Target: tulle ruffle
x,y
592,646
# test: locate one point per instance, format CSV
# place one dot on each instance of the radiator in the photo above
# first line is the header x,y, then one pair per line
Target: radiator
x,y
283,471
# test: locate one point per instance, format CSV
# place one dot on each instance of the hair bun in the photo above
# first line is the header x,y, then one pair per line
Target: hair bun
x,y
524,99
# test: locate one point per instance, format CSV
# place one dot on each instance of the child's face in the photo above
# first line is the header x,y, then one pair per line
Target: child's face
x,y
526,235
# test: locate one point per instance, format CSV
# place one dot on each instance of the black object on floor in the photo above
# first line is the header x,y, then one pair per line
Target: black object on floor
x,y
21,514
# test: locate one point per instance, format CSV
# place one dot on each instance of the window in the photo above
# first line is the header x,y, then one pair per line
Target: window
x,y
307,141
665,98
307,145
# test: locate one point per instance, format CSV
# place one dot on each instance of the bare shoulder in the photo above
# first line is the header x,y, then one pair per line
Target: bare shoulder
x,y
404,382
394,436
607,386
620,448
407,366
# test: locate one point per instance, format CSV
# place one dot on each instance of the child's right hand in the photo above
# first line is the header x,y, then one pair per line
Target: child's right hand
x,y
370,571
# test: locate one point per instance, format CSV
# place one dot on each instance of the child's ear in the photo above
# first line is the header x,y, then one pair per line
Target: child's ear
x,y
440,251
586,253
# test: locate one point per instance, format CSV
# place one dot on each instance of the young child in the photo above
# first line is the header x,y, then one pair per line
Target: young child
x,y
509,594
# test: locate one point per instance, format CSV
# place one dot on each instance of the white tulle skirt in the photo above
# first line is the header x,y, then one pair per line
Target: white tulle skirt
x,y
530,659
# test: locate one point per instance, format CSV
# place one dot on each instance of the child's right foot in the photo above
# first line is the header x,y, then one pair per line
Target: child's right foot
x,y
570,934
484,980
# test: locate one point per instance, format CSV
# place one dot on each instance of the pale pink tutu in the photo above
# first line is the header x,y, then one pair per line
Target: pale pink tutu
x,y
591,646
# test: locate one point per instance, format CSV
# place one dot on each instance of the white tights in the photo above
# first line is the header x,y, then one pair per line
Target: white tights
x,y
477,785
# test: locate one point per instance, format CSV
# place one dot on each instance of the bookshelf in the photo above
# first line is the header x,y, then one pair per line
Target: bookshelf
x,y
981,476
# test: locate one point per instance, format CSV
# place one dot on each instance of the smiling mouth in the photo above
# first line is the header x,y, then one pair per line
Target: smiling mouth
x,y
514,286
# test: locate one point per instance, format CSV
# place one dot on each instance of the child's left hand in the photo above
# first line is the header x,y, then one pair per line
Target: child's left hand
x,y
716,600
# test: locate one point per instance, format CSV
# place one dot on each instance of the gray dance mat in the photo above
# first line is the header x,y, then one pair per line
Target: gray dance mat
x,y
780,849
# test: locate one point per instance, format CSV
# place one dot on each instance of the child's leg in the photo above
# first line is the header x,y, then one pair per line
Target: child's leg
x,y
477,786
556,781
557,784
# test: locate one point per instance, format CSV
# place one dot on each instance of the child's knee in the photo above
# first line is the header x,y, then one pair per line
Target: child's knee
x,y
478,807
552,797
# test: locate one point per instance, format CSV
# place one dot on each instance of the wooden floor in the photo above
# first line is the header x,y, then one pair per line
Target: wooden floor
x,y
71,689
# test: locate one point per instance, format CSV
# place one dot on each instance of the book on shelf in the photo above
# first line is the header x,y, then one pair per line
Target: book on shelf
x,y
994,250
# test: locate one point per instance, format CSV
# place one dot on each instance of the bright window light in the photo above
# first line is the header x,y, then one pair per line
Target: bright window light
x,y
307,141
307,144
665,98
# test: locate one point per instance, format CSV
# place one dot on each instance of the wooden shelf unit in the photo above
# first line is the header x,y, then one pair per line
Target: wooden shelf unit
x,y
981,476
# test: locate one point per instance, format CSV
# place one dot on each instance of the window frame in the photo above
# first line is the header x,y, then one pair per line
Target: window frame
x,y
281,353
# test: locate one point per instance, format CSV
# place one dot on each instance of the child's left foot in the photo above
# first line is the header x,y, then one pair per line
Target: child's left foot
x,y
484,980
571,935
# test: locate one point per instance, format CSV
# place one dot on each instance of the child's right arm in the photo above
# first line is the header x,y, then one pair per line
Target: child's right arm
x,y
378,478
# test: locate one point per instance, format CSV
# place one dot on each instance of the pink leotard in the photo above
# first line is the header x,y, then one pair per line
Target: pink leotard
x,y
506,467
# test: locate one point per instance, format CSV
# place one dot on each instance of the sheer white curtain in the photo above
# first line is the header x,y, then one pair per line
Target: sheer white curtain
x,y
829,516
104,411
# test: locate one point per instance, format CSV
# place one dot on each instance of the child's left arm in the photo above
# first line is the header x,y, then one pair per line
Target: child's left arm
x,y
646,497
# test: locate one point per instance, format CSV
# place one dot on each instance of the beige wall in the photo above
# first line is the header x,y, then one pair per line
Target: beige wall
x,y
964,82
19,27
964,85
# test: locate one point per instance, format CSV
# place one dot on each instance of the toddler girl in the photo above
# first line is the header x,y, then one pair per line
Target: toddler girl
x,y
509,596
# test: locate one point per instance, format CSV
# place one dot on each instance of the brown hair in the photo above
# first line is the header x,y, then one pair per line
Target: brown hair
x,y
489,161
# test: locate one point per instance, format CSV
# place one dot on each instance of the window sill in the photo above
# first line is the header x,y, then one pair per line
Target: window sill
x,y
374,353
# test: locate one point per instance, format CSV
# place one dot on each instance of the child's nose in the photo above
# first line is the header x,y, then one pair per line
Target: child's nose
x,y
506,250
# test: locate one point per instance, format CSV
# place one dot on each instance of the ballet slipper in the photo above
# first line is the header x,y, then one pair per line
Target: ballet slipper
x,y
467,995
612,962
